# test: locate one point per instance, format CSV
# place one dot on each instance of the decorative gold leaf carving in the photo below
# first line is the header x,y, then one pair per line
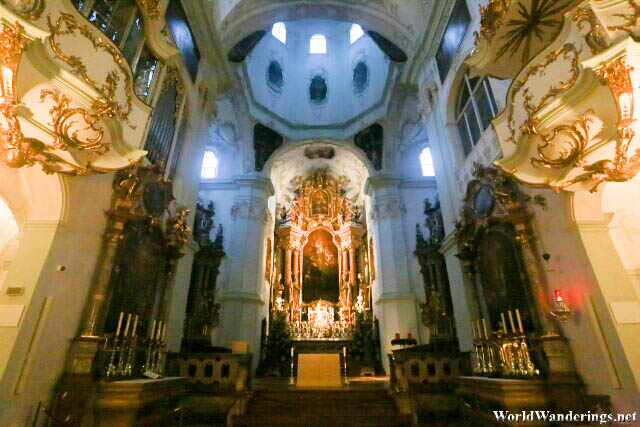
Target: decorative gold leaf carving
x,y
630,19
573,147
569,51
106,105
616,75
64,125
596,37
491,17
152,7
621,169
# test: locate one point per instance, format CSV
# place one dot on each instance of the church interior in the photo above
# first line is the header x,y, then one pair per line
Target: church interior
x,y
328,212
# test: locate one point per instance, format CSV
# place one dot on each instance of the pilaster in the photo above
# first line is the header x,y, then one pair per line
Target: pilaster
x,y
245,296
395,303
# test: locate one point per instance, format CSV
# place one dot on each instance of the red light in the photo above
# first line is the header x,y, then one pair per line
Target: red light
x,y
559,297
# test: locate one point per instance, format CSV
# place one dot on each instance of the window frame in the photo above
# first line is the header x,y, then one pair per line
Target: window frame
x,y
422,157
312,48
281,32
462,110
359,32
205,166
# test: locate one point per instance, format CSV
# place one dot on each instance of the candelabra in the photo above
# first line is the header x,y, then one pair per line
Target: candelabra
x,y
110,371
292,380
501,353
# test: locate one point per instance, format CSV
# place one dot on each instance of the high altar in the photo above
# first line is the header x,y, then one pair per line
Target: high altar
x,y
320,275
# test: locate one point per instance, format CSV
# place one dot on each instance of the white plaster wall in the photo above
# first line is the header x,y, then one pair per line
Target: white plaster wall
x,y
414,192
570,271
75,245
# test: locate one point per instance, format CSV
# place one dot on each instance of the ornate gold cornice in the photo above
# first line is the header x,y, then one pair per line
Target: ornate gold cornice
x,y
106,104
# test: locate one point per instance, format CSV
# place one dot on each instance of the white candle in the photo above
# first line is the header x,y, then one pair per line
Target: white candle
x,y
135,326
504,323
164,332
159,330
519,320
153,328
344,351
126,328
291,351
473,329
513,327
484,326
119,324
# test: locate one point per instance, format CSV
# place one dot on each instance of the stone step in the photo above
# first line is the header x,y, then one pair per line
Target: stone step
x,y
319,420
321,407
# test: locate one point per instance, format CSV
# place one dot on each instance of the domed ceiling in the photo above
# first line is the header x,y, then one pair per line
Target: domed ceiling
x,y
331,93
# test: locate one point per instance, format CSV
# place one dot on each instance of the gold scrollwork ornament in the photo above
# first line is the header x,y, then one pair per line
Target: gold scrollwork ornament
x,y
62,120
106,104
573,148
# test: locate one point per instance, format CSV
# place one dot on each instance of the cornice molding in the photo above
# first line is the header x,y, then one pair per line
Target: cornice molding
x,y
249,297
390,297
376,182
254,182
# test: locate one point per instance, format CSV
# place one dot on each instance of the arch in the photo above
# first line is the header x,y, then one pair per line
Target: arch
x,y
296,145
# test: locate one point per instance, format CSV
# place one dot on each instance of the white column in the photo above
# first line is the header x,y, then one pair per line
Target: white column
x,y
244,302
394,302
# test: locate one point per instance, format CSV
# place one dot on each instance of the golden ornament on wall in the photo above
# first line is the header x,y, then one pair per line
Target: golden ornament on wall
x,y
64,119
106,104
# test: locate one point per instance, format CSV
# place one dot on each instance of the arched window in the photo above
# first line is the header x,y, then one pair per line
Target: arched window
x,y
427,162
475,108
355,33
279,31
209,165
318,44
